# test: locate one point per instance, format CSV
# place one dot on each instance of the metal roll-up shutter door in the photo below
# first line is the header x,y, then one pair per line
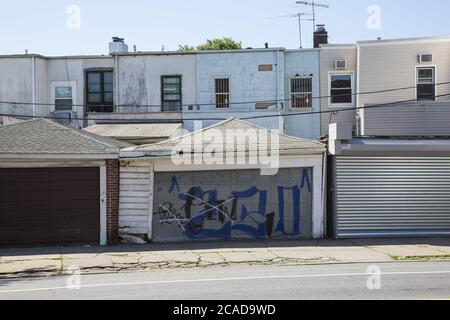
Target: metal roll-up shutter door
x,y
392,196
49,206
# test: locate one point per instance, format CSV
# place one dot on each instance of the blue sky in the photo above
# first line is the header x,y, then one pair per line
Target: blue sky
x,y
41,26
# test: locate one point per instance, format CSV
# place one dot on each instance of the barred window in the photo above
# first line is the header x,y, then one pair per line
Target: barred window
x,y
222,90
301,92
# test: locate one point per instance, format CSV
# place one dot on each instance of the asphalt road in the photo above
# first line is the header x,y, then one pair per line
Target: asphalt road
x,y
407,280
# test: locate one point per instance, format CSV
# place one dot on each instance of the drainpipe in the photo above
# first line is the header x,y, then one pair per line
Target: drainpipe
x,y
280,94
33,83
116,77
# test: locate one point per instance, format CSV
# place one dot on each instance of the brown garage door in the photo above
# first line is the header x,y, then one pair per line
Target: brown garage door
x,y
49,206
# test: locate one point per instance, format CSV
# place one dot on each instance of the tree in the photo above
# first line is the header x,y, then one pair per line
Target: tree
x,y
215,44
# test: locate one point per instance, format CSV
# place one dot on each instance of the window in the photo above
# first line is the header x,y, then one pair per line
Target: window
x,y
171,93
426,85
222,90
100,91
341,89
63,99
301,92
62,95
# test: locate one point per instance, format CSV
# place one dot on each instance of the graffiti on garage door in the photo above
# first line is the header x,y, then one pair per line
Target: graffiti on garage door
x,y
225,205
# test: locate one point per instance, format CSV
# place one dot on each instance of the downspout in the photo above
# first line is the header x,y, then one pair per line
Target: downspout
x,y
116,73
33,84
358,117
280,96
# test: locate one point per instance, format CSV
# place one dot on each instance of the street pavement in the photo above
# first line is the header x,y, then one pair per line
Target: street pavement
x,y
392,280
96,260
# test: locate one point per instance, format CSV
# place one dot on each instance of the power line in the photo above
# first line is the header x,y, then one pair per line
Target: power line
x,y
334,111
273,101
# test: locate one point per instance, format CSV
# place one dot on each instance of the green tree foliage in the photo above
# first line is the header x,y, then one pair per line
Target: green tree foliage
x,y
215,44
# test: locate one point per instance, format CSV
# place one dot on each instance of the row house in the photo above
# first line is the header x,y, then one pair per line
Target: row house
x,y
298,92
390,158
260,85
381,72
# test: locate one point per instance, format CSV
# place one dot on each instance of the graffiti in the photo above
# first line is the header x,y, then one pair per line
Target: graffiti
x,y
200,214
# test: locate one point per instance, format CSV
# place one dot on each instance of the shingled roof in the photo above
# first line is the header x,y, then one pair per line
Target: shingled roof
x,y
287,144
46,137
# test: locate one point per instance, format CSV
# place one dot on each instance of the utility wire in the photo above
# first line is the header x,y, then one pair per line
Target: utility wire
x,y
334,111
131,105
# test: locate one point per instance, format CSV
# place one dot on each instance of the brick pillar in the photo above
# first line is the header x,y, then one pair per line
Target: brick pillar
x,y
112,201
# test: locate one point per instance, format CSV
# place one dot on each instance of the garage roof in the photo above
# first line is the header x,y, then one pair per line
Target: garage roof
x,y
42,136
287,144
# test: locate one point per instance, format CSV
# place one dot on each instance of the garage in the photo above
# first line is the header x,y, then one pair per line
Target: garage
x,y
58,186
392,196
49,206
224,205
388,186
207,199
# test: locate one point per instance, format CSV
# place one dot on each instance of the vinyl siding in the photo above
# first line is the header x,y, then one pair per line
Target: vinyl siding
x,y
393,65
328,56
134,199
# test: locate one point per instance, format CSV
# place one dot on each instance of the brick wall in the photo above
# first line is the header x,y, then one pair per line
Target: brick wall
x,y
112,201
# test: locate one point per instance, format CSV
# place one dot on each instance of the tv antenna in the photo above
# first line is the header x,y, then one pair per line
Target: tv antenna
x,y
300,18
313,5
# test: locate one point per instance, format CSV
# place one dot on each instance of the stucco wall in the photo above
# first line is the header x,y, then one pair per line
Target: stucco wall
x,y
16,84
302,63
140,79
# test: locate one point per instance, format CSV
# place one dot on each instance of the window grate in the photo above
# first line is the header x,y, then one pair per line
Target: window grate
x,y
222,91
301,92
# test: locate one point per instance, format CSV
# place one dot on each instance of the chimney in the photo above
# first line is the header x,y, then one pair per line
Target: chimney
x,y
320,36
117,45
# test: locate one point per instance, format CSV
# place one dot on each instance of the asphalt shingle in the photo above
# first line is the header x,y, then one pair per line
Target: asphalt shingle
x,y
42,136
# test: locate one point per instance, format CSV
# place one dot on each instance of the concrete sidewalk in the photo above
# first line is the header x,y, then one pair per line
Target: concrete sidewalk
x,y
54,261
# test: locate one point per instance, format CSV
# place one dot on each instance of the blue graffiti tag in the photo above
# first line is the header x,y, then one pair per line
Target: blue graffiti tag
x,y
207,217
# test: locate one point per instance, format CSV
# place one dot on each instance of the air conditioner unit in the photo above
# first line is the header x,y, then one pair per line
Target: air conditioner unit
x,y
340,64
63,116
425,58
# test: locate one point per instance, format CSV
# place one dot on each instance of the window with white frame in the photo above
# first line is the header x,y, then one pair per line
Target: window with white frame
x,y
341,89
301,92
222,92
426,83
63,95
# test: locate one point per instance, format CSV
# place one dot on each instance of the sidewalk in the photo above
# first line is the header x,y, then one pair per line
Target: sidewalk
x,y
58,260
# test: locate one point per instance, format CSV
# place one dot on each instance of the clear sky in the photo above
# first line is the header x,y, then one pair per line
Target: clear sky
x,y
46,27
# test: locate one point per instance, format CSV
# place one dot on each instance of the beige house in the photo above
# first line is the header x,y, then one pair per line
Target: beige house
x,y
379,72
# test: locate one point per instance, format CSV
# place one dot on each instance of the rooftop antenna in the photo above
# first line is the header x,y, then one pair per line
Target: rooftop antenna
x,y
299,16
313,5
